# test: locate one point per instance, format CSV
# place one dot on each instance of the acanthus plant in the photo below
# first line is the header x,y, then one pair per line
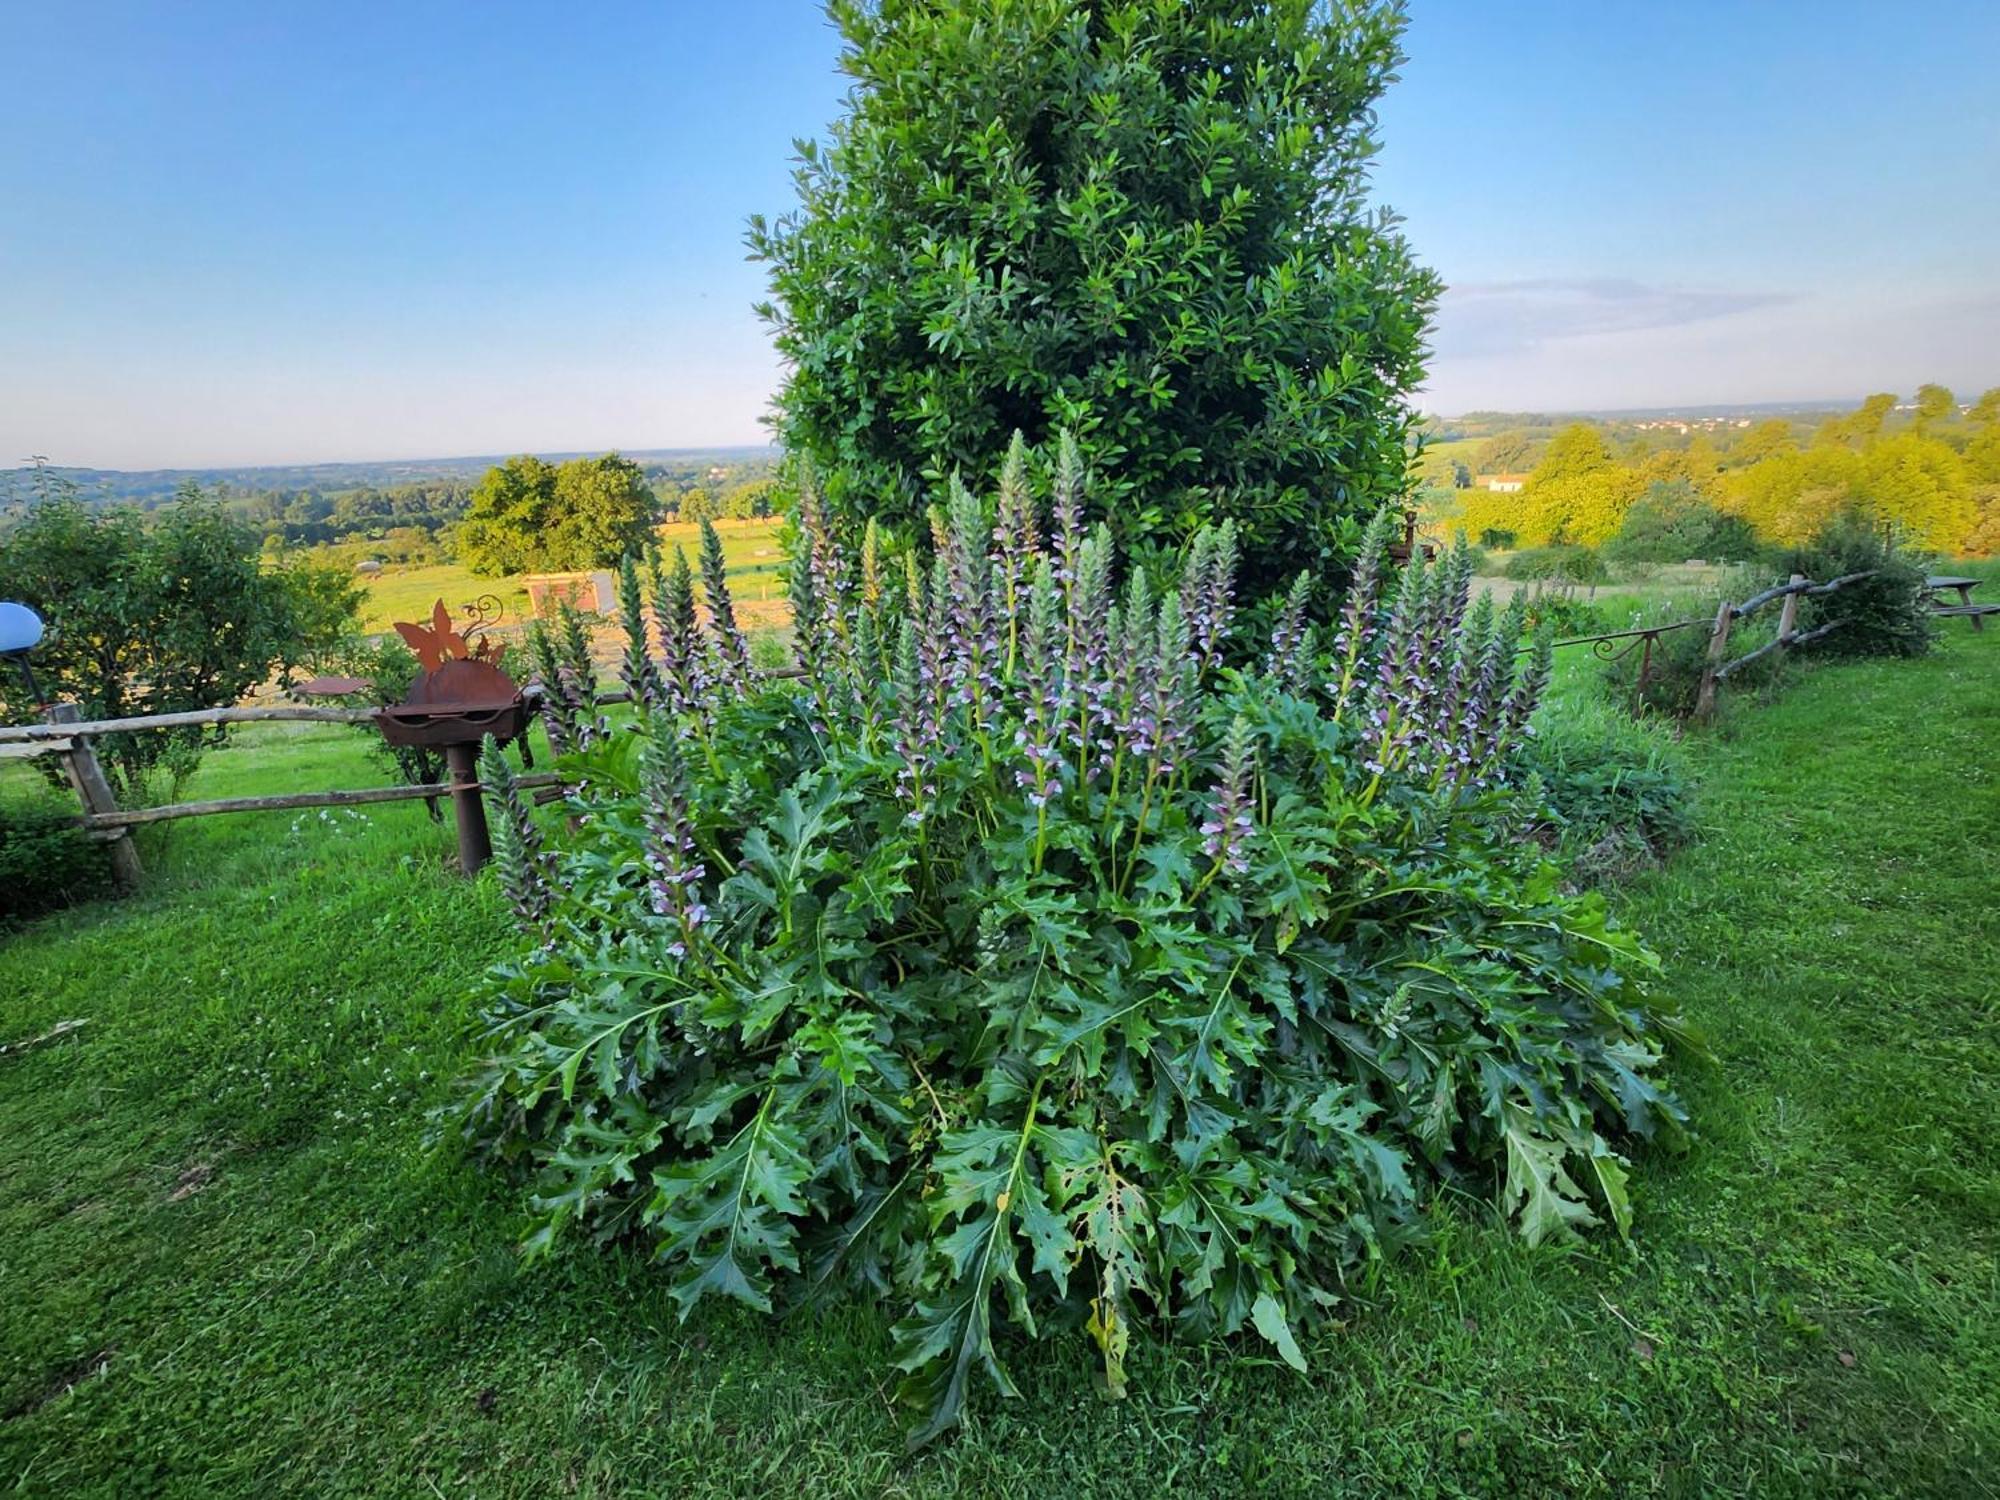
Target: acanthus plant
x,y
1027,961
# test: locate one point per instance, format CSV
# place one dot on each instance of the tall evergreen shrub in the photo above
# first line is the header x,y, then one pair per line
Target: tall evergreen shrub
x,y
1143,222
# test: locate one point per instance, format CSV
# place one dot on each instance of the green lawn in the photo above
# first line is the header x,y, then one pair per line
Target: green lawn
x,y
231,1268
404,592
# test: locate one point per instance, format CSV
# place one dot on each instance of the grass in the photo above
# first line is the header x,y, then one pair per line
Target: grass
x,y
405,592
231,1267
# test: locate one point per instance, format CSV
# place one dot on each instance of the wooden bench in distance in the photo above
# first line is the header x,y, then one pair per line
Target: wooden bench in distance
x,y
1965,608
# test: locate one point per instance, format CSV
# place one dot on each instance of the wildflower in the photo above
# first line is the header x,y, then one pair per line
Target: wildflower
x,y
1015,539
1068,518
524,867
1226,833
1135,646
1043,702
969,588
1290,655
1172,684
1087,650
732,651
1208,591
913,728
684,657
561,712
640,675
1357,624
673,870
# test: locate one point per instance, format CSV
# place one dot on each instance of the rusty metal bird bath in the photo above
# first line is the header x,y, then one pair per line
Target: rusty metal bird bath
x,y
460,696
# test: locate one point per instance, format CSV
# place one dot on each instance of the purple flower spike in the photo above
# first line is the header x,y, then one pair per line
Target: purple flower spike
x,y
1227,831
674,871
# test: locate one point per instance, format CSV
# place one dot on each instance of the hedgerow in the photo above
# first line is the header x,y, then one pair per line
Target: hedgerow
x,y
1023,963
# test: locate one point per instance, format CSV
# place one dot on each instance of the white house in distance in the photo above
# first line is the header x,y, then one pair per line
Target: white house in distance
x,y
1502,484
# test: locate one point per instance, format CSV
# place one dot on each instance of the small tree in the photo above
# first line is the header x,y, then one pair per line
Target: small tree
x,y
1144,223
1673,521
586,513
160,614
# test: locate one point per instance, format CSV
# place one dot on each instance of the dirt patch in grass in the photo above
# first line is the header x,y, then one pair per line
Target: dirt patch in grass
x,y
62,1383
197,1176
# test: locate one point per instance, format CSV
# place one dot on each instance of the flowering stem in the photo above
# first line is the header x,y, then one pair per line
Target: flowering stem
x,y
1139,829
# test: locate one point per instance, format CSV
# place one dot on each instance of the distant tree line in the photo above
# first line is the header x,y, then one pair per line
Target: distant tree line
x,y
1924,469
421,521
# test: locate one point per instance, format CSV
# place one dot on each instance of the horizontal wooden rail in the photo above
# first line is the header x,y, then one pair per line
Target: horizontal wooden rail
x,y
189,719
11,734
285,801
1778,643
1805,588
28,748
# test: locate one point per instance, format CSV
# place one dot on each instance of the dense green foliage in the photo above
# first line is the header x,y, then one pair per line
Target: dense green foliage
x,y
529,516
46,862
1673,671
1566,564
1614,795
1887,613
1027,963
1672,522
1566,613
155,614
231,1269
1932,476
1143,223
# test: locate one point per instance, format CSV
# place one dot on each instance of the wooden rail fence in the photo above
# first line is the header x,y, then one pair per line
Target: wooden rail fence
x,y
68,734
1607,645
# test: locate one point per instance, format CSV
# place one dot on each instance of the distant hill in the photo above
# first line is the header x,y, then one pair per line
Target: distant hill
x,y
1754,409
140,486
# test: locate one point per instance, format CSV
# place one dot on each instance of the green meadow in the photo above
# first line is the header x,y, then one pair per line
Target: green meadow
x,y
234,1265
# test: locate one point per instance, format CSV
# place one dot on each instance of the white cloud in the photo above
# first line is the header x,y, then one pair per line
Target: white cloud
x,y
1645,349
1489,318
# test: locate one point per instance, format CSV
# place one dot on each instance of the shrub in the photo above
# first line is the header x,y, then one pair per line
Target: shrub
x,y
1672,522
1147,225
1888,614
1563,564
1022,961
1495,539
1562,612
1616,796
159,614
1478,558
1673,671
46,860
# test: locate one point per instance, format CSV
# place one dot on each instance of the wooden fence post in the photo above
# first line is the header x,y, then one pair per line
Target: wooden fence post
x,y
94,792
1788,617
1718,647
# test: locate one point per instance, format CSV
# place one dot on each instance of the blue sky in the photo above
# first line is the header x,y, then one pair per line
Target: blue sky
x,y
246,232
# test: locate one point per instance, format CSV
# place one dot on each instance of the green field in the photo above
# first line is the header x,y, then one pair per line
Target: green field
x,y
232,1267
401,592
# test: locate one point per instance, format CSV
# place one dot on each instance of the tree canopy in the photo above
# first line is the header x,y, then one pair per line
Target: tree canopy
x,y
1143,223
527,515
158,614
1933,476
